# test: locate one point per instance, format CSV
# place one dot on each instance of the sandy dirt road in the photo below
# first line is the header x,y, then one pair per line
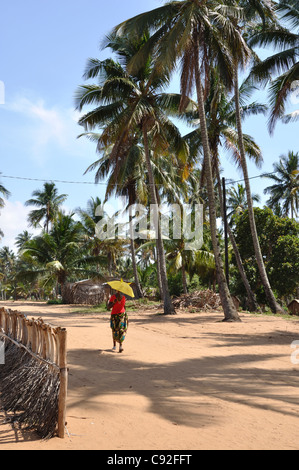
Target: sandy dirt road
x,y
184,382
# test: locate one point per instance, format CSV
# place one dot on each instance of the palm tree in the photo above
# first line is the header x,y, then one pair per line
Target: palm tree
x,y
196,34
285,190
4,193
285,60
253,11
23,238
48,202
111,249
59,254
130,107
130,184
221,121
7,266
237,201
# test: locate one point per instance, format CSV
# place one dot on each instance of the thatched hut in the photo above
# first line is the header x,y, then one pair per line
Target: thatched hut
x,y
294,307
86,293
90,292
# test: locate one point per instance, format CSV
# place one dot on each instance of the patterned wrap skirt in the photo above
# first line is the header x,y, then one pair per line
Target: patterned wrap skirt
x,y
119,324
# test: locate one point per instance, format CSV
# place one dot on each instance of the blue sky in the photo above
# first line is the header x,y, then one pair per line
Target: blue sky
x,y
44,48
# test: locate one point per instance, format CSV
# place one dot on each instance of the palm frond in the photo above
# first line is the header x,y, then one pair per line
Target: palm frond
x,y
279,92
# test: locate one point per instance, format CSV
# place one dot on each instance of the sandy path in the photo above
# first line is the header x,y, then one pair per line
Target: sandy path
x,y
185,382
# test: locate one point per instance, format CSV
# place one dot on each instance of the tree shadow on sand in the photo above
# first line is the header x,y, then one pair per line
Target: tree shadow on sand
x,y
188,392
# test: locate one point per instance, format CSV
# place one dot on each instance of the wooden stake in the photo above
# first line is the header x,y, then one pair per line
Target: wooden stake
x,y
62,341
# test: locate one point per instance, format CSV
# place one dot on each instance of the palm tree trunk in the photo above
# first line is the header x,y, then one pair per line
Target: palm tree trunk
x,y
253,305
160,287
168,306
230,312
184,277
134,264
257,248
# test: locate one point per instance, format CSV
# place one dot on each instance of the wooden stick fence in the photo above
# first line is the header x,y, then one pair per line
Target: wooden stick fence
x,y
48,347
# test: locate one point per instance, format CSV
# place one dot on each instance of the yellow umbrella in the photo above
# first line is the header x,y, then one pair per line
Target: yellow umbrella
x,y
122,287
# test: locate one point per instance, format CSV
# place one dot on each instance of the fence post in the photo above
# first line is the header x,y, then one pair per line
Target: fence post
x,y
62,342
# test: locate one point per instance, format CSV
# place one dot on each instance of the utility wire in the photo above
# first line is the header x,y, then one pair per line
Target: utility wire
x,y
104,184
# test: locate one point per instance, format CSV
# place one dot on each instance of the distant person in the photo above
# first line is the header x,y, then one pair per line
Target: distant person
x,y
119,320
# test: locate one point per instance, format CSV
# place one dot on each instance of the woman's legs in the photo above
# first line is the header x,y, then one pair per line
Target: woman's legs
x,y
114,342
119,325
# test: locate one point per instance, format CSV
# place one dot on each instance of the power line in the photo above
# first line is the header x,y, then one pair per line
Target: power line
x,y
48,180
264,175
104,184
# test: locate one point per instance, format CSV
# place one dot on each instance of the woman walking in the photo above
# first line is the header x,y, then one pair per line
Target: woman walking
x,y
119,319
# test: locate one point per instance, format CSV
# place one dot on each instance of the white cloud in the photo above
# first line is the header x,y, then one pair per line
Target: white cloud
x,y
47,130
46,125
13,220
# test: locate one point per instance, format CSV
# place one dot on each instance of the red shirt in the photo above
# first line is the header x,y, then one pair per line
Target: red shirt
x,y
119,307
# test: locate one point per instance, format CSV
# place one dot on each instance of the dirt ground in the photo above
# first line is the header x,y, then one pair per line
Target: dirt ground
x,y
184,382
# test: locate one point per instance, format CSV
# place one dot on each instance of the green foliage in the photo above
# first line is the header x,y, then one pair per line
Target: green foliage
x,y
280,248
284,265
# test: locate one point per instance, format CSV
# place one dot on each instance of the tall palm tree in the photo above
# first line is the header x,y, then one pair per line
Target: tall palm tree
x,y
283,63
253,10
221,122
285,189
48,202
130,184
197,34
130,106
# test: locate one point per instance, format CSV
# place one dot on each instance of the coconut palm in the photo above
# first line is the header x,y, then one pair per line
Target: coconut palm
x,y
130,184
284,62
197,34
59,254
285,190
130,106
48,202
237,201
23,238
265,11
221,122
7,266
